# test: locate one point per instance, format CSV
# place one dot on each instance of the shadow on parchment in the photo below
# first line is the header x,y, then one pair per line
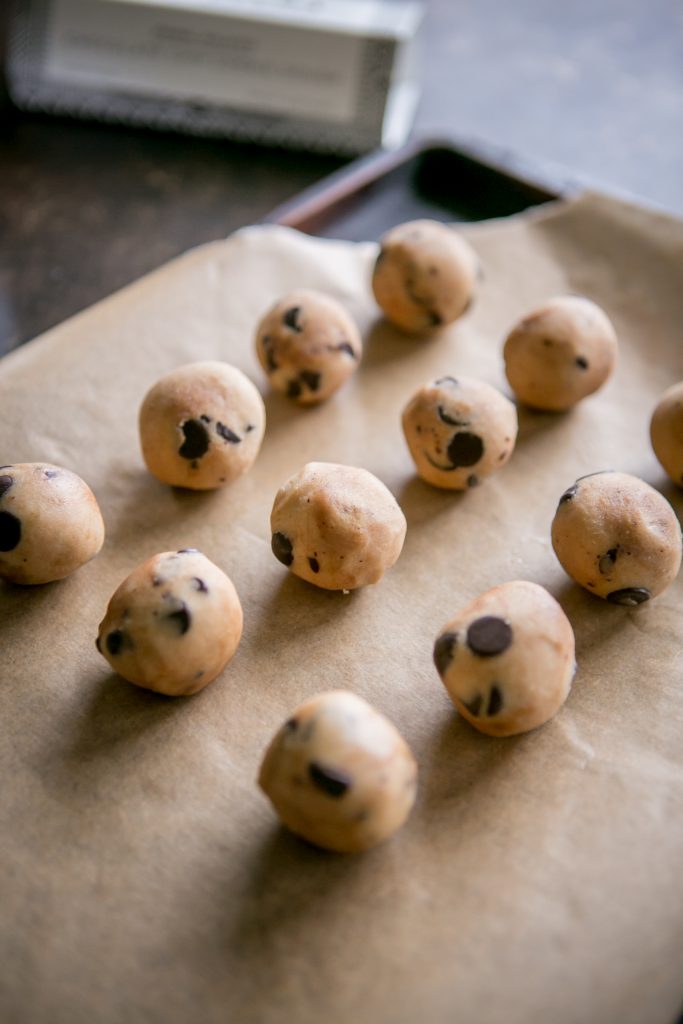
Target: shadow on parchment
x,y
299,898
103,744
422,502
152,508
384,343
462,760
295,606
535,424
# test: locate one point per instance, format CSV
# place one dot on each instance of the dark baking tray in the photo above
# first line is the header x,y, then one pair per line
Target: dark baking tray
x,y
441,179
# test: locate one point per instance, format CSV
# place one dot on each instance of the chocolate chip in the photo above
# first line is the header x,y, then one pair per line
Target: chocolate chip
x,y
293,389
227,434
346,346
606,563
474,705
157,581
116,641
249,427
292,724
188,551
271,362
199,585
598,472
5,484
629,596
472,480
196,441
465,449
205,418
180,618
51,473
444,649
310,379
488,636
291,319
10,531
452,421
446,380
435,319
282,548
568,494
329,780
495,700
581,362
314,564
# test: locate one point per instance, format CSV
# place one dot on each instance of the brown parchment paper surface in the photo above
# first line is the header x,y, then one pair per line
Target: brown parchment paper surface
x,y
143,876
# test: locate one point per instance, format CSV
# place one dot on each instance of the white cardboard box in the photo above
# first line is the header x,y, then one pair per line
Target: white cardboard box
x,y
333,75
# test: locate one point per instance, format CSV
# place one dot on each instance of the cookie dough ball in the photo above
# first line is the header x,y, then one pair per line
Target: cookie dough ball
x,y
339,774
336,526
173,624
424,276
201,426
559,353
308,345
50,523
617,537
459,431
666,432
507,659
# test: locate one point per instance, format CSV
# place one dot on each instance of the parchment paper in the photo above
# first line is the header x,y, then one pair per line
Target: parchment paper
x,y
144,877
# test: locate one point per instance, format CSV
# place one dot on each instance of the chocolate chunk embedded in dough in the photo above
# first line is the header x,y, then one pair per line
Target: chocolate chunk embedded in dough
x,y
489,636
495,700
291,319
465,449
196,441
282,548
10,531
630,596
331,781
444,648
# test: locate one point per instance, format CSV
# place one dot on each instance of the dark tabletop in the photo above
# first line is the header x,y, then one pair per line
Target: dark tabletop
x,y
592,90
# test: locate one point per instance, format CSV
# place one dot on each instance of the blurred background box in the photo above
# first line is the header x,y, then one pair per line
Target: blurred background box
x,y
331,75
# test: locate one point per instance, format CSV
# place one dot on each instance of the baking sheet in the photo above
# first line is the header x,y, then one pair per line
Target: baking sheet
x,y
144,877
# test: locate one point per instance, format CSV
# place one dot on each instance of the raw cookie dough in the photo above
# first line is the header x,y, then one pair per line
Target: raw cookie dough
x,y
424,276
201,426
559,353
50,523
339,774
617,537
173,624
666,432
458,431
507,659
336,526
308,345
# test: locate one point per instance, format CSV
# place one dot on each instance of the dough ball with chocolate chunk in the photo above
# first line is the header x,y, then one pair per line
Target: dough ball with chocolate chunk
x,y
666,432
50,523
173,624
336,526
507,659
308,345
459,430
617,537
424,275
201,426
339,774
559,353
